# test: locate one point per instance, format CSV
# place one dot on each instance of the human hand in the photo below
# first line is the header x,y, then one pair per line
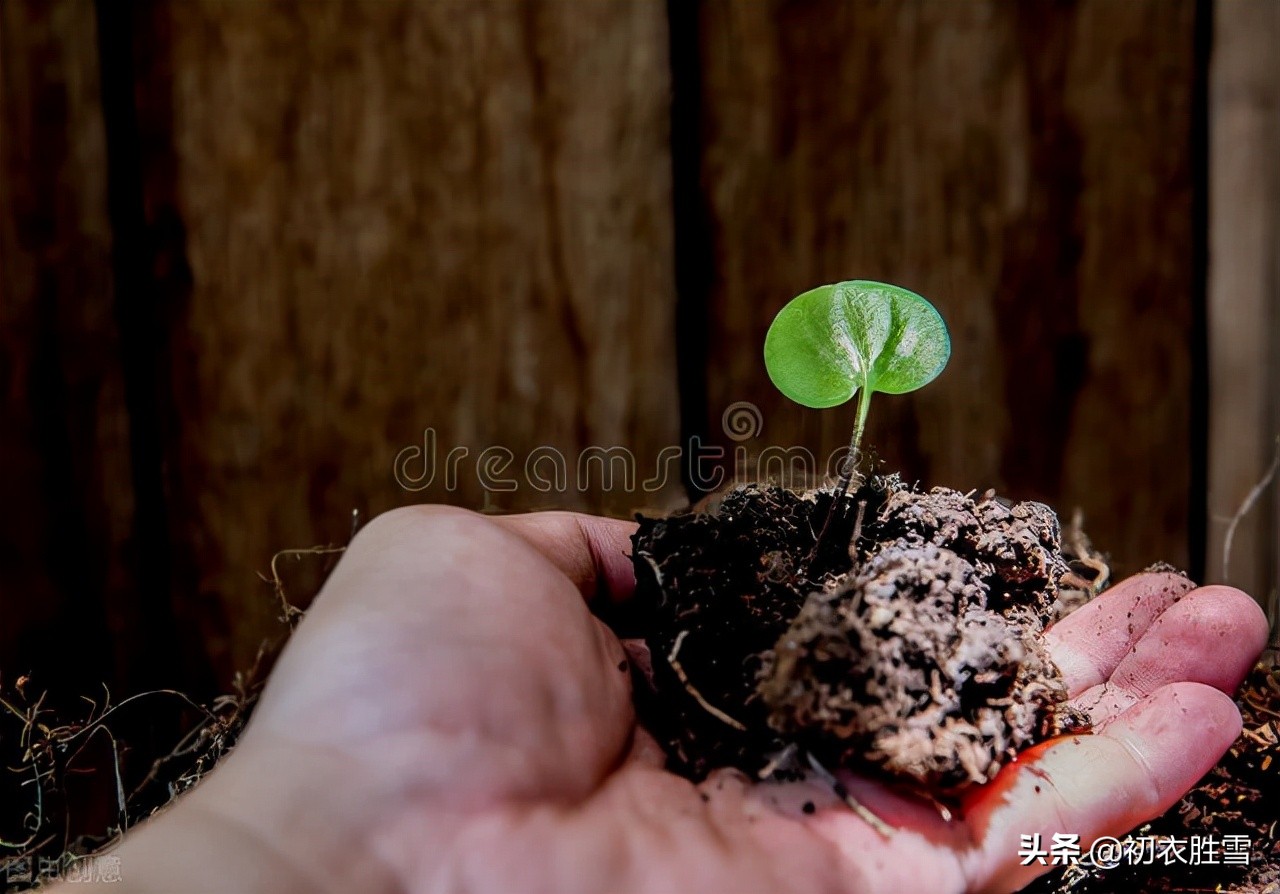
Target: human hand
x,y
450,715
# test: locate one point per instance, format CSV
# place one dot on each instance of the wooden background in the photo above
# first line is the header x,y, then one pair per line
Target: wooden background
x,y
251,251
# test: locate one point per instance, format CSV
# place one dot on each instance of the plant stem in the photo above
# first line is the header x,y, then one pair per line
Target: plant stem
x,y
847,468
855,442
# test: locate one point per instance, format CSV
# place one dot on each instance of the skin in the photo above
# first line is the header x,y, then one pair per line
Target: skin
x,y
450,716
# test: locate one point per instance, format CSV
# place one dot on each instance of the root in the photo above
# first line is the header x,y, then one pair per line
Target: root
x,y
1080,552
784,758
51,750
290,613
883,828
45,747
1250,500
857,532
689,687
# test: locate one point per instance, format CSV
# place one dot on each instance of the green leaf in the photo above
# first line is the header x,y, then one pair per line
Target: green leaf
x,y
831,341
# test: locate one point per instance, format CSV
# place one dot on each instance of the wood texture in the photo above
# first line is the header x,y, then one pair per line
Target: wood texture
x,y
1244,294
1027,168
65,482
398,216
339,225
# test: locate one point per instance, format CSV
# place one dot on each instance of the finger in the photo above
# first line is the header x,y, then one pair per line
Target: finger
x,y
593,552
1212,636
1099,785
1089,643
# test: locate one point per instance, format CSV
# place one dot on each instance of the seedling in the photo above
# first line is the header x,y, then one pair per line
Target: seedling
x,y
885,651
856,337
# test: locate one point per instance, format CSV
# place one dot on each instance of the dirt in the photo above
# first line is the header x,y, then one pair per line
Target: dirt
x,y
905,643
903,640
763,627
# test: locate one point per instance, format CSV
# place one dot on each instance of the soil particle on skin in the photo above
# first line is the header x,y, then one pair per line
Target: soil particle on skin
x,y
906,643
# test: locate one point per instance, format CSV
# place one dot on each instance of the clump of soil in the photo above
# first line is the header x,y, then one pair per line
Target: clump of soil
x,y
894,631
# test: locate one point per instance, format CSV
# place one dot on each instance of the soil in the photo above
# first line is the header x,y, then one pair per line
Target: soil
x,y
901,636
763,627
904,641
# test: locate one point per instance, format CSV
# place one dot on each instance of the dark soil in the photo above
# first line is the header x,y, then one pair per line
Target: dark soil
x,y
905,644
780,648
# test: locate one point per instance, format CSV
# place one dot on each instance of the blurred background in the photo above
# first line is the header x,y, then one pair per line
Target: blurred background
x,y
263,263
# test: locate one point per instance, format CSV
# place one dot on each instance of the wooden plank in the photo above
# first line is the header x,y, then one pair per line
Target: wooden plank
x,y
1027,168
398,217
1244,292
67,595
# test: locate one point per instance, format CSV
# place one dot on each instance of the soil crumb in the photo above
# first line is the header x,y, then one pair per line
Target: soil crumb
x,y
903,641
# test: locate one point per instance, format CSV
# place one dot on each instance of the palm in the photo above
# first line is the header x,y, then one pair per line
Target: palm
x,y
455,665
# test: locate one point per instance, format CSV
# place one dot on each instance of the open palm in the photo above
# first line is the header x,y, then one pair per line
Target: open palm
x,y
451,716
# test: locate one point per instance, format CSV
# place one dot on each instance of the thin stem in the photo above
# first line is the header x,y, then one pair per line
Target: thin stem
x,y
855,442
847,468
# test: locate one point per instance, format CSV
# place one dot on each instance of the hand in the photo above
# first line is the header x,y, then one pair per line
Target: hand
x,y
450,715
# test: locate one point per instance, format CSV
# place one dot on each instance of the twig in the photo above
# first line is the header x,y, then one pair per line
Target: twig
x,y
1251,498
289,611
1263,708
122,802
857,531
782,758
689,687
1250,734
108,710
38,818
853,803
943,810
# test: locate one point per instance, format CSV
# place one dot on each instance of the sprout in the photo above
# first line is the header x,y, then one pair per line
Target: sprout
x,y
855,337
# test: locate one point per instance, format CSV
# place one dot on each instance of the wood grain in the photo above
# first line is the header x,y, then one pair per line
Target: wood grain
x,y
357,222
67,595
397,217
1244,294
1024,166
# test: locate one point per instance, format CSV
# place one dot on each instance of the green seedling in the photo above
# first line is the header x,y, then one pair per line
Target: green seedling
x,y
856,337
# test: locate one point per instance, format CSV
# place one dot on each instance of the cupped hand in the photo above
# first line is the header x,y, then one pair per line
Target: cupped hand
x,y
450,716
